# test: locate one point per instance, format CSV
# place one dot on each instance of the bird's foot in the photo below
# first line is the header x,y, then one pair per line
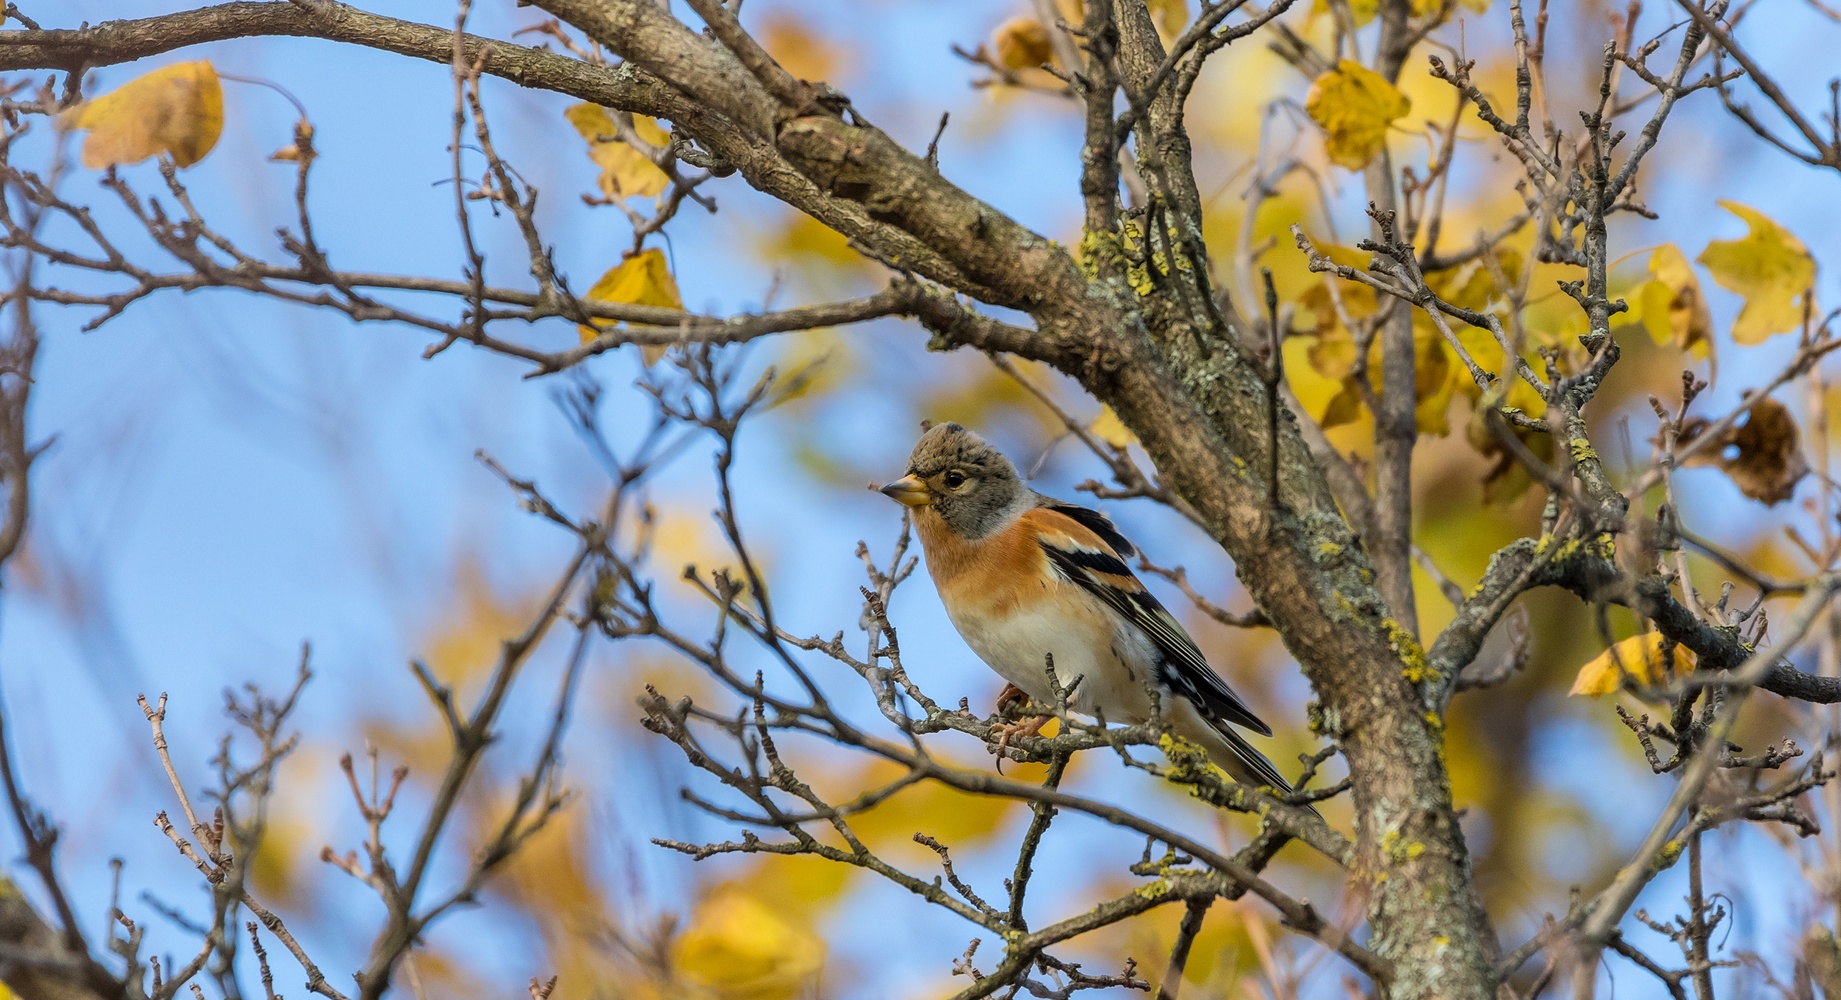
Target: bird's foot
x,y
1011,701
1007,731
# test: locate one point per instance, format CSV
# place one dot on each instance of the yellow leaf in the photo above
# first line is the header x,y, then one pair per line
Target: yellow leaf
x,y
1473,285
1354,105
1171,16
625,172
1670,305
1332,355
276,868
1770,267
1362,11
177,110
740,947
803,887
954,818
1638,657
1432,383
1021,43
643,279
793,45
470,637
1313,389
978,395
648,129
1108,428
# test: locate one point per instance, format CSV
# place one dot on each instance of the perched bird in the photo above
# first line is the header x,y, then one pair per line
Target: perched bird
x,y
1024,576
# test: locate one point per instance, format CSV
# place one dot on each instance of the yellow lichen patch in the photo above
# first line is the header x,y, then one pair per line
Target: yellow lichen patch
x,y
1416,669
1095,246
1154,890
1189,763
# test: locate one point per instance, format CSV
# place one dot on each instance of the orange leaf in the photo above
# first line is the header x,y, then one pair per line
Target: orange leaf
x,y
1021,43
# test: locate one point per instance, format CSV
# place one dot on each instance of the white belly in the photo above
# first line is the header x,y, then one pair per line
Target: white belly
x,y
1108,670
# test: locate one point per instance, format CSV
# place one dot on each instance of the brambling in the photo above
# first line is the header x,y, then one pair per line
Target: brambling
x,y
1024,577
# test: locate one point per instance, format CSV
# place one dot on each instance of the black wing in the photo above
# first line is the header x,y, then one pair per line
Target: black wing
x,y
1186,671
1098,523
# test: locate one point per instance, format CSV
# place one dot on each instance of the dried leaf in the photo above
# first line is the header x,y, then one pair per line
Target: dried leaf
x,y
1354,105
1822,956
1763,455
1770,267
1507,479
1639,657
1021,43
301,148
625,172
177,110
1670,305
643,279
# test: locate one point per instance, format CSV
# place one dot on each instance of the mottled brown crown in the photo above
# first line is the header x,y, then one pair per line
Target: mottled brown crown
x,y
950,446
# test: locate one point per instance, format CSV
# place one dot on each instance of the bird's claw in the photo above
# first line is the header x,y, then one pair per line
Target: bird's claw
x,y
1006,731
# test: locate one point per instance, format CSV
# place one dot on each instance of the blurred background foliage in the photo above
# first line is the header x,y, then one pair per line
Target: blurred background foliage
x,y
231,478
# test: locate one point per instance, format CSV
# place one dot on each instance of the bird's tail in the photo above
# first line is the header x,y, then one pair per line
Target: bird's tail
x,y
1230,751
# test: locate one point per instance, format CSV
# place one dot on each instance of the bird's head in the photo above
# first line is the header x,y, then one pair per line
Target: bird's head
x,y
968,483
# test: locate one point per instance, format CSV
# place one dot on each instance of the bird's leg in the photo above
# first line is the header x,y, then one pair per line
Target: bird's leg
x,y
1011,703
1011,700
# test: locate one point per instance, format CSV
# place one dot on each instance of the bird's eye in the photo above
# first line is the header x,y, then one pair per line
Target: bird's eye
x,y
955,479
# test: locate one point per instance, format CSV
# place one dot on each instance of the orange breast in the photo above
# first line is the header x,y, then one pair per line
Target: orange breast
x,y
981,576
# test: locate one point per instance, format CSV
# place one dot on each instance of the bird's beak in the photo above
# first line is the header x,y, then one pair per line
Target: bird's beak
x,y
908,491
